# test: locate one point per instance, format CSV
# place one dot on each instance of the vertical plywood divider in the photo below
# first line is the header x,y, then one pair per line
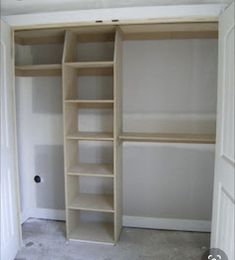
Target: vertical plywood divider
x,y
70,47
69,122
117,131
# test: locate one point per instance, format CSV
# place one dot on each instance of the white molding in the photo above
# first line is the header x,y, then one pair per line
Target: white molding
x,y
167,223
53,214
122,14
24,215
129,221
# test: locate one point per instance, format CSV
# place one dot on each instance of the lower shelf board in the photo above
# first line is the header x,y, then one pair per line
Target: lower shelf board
x,y
97,232
93,202
92,136
168,138
91,169
105,103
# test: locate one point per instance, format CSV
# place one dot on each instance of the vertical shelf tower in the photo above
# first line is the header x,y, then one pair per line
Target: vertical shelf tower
x,y
91,71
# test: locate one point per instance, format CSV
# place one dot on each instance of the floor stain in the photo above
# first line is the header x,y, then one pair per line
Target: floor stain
x,y
29,244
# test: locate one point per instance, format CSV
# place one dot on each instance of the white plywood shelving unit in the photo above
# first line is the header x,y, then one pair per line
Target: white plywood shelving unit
x,y
100,48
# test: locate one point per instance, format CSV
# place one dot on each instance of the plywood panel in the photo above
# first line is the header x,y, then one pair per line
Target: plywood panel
x,y
117,131
170,31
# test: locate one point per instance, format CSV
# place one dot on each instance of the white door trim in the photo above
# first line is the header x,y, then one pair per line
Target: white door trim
x,y
10,208
124,15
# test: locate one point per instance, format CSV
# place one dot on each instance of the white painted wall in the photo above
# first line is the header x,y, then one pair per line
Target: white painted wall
x,y
168,85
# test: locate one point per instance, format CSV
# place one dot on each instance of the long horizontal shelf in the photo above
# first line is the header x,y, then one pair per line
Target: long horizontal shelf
x,y
92,136
91,103
91,169
39,70
197,30
168,138
97,232
92,67
93,202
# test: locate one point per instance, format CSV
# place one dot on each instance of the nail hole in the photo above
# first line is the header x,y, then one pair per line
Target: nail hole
x,y
37,179
99,21
115,20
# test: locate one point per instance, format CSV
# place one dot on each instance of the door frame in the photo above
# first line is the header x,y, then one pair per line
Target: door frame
x,y
11,85
143,15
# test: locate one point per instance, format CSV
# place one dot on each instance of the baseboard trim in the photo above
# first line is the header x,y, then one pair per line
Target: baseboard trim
x,y
128,221
167,223
24,215
52,214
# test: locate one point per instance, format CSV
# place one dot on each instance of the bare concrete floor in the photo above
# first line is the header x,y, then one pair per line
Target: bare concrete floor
x,y
44,240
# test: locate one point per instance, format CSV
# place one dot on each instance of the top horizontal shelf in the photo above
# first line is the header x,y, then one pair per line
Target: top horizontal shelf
x,y
168,138
103,33
196,30
47,36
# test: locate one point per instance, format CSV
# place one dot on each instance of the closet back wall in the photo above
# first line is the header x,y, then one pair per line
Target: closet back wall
x,y
168,86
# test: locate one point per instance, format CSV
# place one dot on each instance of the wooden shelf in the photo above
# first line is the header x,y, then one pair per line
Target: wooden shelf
x,y
89,169
168,138
38,70
89,68
171,31
31,37
91,103
97,232
91,136
93,202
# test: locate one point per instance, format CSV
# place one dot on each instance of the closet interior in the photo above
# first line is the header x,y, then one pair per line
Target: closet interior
x,y
106,96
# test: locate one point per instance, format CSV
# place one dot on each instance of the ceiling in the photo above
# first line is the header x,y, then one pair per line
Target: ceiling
x,y
11,7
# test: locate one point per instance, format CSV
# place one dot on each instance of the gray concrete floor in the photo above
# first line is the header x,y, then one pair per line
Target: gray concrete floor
x,y
44,240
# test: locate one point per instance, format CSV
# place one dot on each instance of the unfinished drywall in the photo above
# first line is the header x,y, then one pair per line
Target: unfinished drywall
x,y
169,86
40,143
170,180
